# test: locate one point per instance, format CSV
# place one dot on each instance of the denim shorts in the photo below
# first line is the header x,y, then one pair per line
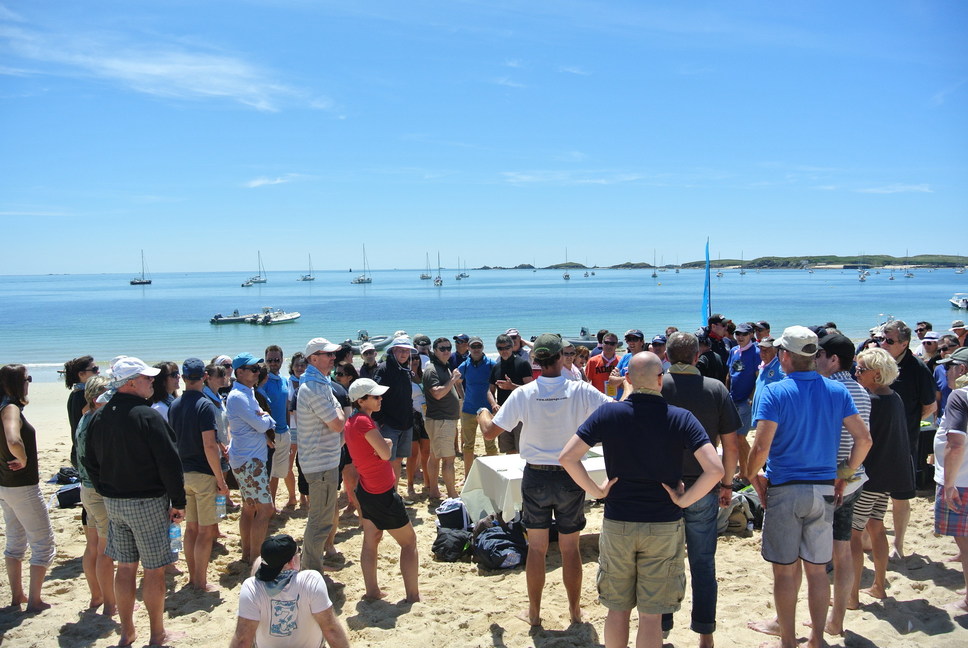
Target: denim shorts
x,y
402,441
544,492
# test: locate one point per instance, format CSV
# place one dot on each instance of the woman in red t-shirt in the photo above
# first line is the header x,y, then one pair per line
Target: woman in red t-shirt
x,y
381,508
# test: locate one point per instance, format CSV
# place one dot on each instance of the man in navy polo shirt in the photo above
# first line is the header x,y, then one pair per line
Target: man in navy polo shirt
x,y
475,372
276,390
642,541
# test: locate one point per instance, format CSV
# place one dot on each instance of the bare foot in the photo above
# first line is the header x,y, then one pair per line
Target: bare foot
x,y
527,617
412,599
95,603
109,611
853,604
208,588
875,591
766,626
291,504
705,641
960,606
38,606
173,569
127,639
18,599
380,594
167,638
576,615
955,558
896,554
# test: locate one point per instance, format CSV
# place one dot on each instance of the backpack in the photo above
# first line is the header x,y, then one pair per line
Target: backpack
x,y
495,548
452,514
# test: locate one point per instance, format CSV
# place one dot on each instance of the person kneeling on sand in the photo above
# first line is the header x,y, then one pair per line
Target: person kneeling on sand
x,y
280,605
381,508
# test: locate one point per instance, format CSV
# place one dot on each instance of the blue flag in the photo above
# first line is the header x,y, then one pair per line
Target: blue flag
x,y
705,292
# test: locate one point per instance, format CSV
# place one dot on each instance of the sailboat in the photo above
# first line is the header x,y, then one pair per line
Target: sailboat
x,y
259,278
907,261
144,279
742,270
426,274
459,275
308,277
437,280
463,273
654,274
364,278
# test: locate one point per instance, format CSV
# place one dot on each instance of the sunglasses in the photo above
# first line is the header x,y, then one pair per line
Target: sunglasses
x,y
515,337
374,395
273,359
946,348
861,370
173,374
443,348
340,374
887,341
329,354
928,342
29,379
919,330
504,348
252,368
568,354
610,342
634,339
95,369
477,347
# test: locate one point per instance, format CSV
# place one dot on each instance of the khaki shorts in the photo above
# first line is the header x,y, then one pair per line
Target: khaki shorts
x,y
642,565
97,514
200,492
443,435
280,458
468,435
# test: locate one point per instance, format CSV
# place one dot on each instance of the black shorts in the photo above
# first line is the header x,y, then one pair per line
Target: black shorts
x,y
385,511
544,492
419,429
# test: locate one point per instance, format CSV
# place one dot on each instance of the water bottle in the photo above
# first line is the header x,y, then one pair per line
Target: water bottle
x,y
220,506
175,537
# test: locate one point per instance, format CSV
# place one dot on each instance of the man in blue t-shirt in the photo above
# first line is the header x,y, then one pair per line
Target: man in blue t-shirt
x,y
192,417
742,364
642,541
797,436
276,390
475,373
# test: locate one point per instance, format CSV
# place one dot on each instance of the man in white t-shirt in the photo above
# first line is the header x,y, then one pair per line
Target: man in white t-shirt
x,y
283,607
550,409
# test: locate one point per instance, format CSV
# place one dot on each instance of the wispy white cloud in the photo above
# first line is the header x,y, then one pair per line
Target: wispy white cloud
x,y
174,70
513,63
897,188
505,81
571,156
263,181
571,178
7,14
940,96
574,69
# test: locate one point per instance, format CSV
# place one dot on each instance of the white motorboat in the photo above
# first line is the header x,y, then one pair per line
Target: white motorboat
x,y
270,315
959,300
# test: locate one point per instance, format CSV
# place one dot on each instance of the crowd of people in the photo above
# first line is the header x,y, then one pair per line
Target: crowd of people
x,y
837,430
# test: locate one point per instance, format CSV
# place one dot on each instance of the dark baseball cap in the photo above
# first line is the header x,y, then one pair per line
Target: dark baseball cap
x,y
463,337
546,346
193,369
276,552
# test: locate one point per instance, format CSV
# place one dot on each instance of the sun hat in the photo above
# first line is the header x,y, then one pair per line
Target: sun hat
x,y
957,324
320,344
402,342
127,367
365,387
799,340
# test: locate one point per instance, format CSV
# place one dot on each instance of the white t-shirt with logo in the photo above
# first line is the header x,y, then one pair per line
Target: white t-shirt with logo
x,y
286,617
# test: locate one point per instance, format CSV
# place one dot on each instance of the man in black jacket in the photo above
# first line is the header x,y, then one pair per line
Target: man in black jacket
x,y
133,463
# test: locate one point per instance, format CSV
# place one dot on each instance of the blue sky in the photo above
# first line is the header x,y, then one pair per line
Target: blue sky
x,y
498,131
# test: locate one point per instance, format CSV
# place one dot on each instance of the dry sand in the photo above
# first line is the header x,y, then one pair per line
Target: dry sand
x,y
462,604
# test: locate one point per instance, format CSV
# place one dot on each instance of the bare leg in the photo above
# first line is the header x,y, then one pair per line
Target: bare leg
x,y
449,476
124,589
153,594
617,628
191,540
350,479
89,564
259,528
409,561
245,531
412,463
902,513
818,598
14,572
291,479
744,452
34,602
571,573
961,605
535,572
649,634
202,557
397,468
105,576
843,584
879,551
857,560
273,489
786,586
433,472
368,556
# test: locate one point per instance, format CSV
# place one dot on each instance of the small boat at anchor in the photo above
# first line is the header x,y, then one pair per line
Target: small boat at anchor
x,y
234,318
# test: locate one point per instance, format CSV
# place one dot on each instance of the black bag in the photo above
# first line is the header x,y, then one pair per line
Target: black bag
x,y
495,548
68,475
68,496
452,545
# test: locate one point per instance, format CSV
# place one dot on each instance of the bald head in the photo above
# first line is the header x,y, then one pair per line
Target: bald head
x,y
645,371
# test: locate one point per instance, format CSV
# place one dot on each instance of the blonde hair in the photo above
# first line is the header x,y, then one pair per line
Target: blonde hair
x,y
882,362
94,387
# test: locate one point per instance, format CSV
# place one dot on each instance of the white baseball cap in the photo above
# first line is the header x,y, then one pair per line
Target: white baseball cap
x,y
799,340
365,387
320,344
127,367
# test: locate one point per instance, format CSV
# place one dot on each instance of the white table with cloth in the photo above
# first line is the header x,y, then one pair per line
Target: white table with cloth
x,y
494,483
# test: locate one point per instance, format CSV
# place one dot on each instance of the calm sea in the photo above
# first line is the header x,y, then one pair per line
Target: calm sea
x,y
51,319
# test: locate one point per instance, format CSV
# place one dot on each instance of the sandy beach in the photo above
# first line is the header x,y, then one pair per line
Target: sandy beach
x,y
464,605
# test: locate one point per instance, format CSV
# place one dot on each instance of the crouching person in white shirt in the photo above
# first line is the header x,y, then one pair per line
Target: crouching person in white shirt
x,y
281,606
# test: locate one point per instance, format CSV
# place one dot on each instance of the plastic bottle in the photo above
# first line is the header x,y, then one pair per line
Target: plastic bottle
x,y
220,506
175,537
